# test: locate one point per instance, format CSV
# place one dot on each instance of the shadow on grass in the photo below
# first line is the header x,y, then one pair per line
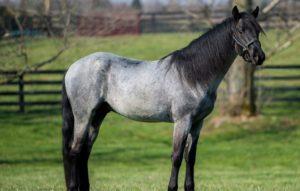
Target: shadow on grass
x,y
128,155
131,155
29,161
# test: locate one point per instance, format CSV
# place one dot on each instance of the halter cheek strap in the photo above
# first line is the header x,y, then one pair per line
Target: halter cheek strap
x,y
245,46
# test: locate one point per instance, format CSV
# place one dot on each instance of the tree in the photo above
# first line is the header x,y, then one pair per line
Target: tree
x,y
240,78
240,81
102,4
173,6
136,4
17,50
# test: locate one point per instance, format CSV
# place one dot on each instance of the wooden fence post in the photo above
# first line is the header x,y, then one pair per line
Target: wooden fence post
x,y
153,22
21,94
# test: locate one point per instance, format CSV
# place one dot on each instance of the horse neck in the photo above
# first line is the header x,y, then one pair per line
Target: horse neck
x,y
220,61
206,60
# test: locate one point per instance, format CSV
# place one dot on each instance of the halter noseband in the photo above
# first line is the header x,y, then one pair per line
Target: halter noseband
x,y
245,46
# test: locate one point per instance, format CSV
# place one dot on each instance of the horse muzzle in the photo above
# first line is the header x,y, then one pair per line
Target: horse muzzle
x,y
254,56
258,58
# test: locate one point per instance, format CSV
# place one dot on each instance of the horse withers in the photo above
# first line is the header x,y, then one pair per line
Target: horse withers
x,y
179,88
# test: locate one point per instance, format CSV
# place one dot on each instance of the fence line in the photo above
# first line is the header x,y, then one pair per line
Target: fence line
x,y
22,93
267,89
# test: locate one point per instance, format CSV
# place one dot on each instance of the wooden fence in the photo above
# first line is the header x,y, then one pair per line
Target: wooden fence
x,y
132,22
182,21
22,93
269,86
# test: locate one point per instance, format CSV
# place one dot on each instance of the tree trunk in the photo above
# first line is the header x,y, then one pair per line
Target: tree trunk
x,y
23,6
240,78
46,7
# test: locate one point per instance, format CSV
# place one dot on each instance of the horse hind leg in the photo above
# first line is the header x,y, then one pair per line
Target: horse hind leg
x,y
67,134
96,120
76,149
85,132
80,129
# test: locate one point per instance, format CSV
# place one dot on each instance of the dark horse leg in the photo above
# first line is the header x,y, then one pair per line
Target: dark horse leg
x,y
72,153
190,156
67,135
97,119
79,134
181,129
76,156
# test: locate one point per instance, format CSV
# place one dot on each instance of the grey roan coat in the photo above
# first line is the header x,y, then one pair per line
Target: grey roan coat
x,y
179,88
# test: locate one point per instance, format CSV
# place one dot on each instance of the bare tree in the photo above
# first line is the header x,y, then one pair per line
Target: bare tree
x,y
136,4
173,6
240,84
240,78
153,6
16,47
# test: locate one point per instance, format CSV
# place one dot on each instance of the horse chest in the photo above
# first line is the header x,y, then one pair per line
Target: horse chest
x,y
205,106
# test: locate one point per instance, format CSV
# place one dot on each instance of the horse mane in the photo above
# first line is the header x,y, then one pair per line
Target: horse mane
x,y
205,56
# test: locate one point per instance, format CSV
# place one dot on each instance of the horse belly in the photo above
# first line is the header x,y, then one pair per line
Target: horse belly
x,y
140,110
139,102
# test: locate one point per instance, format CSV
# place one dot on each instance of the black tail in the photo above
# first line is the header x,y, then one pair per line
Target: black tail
x,y
67,130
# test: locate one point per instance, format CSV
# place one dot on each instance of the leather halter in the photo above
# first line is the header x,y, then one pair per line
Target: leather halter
x,y
245,46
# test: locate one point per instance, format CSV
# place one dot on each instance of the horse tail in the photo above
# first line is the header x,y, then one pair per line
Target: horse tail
x,y
67,129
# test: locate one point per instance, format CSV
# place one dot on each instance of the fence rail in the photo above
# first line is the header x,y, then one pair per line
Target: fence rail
x,y
22,94
20,82
275,90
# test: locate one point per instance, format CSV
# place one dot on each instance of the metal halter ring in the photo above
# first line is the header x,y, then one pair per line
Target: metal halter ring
x,y
246,46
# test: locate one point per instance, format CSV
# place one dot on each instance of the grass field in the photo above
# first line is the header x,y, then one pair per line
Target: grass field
x,y
260,154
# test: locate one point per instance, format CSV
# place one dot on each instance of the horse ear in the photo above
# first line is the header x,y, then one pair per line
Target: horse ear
x,y
235,13
255,12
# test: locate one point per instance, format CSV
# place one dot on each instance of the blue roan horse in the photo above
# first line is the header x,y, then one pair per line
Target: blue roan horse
x,y
179,88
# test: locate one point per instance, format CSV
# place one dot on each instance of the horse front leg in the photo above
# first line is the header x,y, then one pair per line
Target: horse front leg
x,y
190,156
180,133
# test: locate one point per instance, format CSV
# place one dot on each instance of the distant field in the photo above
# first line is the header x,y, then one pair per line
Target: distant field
x,y
146,47
260,154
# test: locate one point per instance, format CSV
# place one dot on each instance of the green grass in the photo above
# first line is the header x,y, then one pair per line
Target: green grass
x,y
260,154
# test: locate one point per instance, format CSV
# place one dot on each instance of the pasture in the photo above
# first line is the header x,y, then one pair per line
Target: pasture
x,y
260,153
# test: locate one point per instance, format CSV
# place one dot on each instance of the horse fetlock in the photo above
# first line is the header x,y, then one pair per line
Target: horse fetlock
x,y
73,187
173,187
189,186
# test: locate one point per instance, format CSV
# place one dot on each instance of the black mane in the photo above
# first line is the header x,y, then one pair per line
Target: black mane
x,y
205,56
